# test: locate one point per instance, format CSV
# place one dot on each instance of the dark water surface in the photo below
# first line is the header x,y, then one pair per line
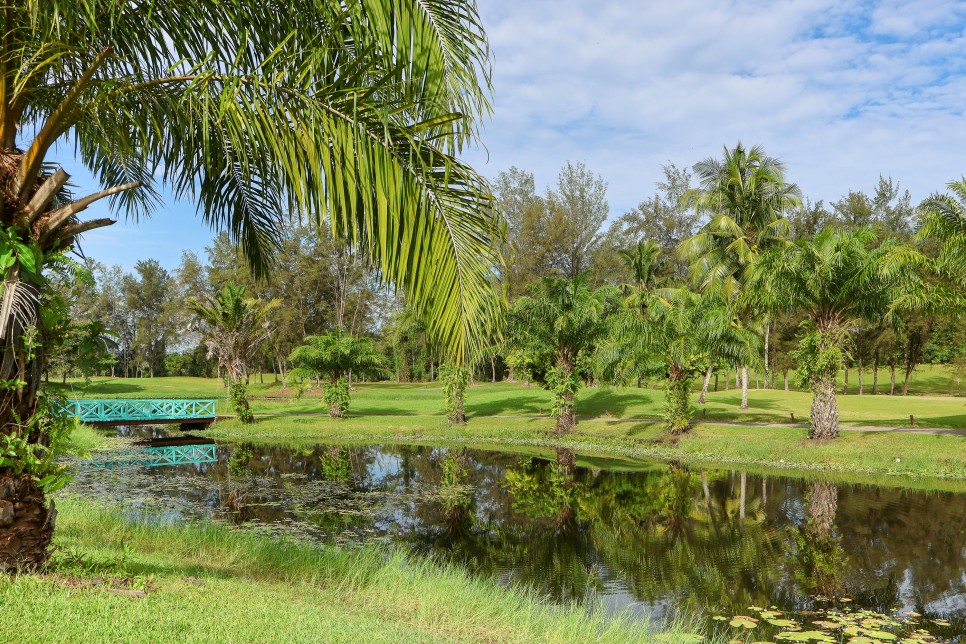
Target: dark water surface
x,y
645,536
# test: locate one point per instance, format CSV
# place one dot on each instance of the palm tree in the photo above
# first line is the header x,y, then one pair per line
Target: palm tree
x,y
837,279
233,326
746,196
336,355
942,217
680,334
556,327
349,114
641,262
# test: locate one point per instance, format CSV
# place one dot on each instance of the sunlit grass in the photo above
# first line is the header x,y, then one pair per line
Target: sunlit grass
x,y
207,583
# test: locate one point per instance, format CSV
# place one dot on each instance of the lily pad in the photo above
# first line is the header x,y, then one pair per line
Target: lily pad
x,y
743,621
781,623
805,636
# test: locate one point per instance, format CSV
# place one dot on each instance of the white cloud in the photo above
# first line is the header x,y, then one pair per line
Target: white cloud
x,y
841,91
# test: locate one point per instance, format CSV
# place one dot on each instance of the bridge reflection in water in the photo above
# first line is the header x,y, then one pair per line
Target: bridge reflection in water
x,y
157,452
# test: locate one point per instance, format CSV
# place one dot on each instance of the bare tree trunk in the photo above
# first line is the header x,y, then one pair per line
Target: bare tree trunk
x,y
767,363
875,373
707,381
786,379
892,376
858,367
493,368
744,386
910,366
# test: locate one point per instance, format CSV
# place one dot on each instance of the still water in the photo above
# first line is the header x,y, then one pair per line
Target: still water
x,y
649,537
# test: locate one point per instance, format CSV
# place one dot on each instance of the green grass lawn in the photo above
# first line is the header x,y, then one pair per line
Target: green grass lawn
x,y
616,421
118,580
515,399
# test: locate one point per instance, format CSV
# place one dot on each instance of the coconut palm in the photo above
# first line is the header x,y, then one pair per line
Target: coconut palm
x,y
836,279
942,217
641,262
556,327
349,114
745,196
335,356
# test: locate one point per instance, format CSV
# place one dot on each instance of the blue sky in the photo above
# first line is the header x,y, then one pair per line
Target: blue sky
x,y
841,91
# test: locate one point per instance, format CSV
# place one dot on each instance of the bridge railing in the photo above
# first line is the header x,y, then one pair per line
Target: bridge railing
x,y
108,411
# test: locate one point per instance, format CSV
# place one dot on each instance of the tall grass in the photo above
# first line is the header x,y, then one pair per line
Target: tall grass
x,y
207,583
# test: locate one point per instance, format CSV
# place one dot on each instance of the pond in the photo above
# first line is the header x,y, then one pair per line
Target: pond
x,y
644,536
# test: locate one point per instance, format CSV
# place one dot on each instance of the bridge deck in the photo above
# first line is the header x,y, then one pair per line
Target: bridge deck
x,y
141,412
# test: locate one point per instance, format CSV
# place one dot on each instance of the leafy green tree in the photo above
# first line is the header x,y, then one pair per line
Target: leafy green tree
x,y
578,208
349,114
528,248
557,326
668,218
746,196
147,297
336,355
837,279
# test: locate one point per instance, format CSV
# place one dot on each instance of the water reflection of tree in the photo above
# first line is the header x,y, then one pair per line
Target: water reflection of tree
x,y
820,555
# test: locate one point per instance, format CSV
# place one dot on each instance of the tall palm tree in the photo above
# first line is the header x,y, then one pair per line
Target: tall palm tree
x,y
836,279
335,355
557,326
745,195
347,113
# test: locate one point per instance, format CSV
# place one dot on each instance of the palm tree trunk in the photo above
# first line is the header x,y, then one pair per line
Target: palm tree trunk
x,y
707,382
845,381
744,386
858,367
727,378
892,376
825,412
492,368
786,379
26,522
567,419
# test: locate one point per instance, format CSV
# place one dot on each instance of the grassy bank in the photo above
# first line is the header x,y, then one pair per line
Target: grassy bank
x,y
117,580
937,462
514,399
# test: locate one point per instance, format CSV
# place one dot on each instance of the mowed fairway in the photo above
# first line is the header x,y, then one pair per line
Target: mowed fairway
x,y
925,402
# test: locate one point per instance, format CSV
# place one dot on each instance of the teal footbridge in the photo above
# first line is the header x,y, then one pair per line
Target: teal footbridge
x,y
141,412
